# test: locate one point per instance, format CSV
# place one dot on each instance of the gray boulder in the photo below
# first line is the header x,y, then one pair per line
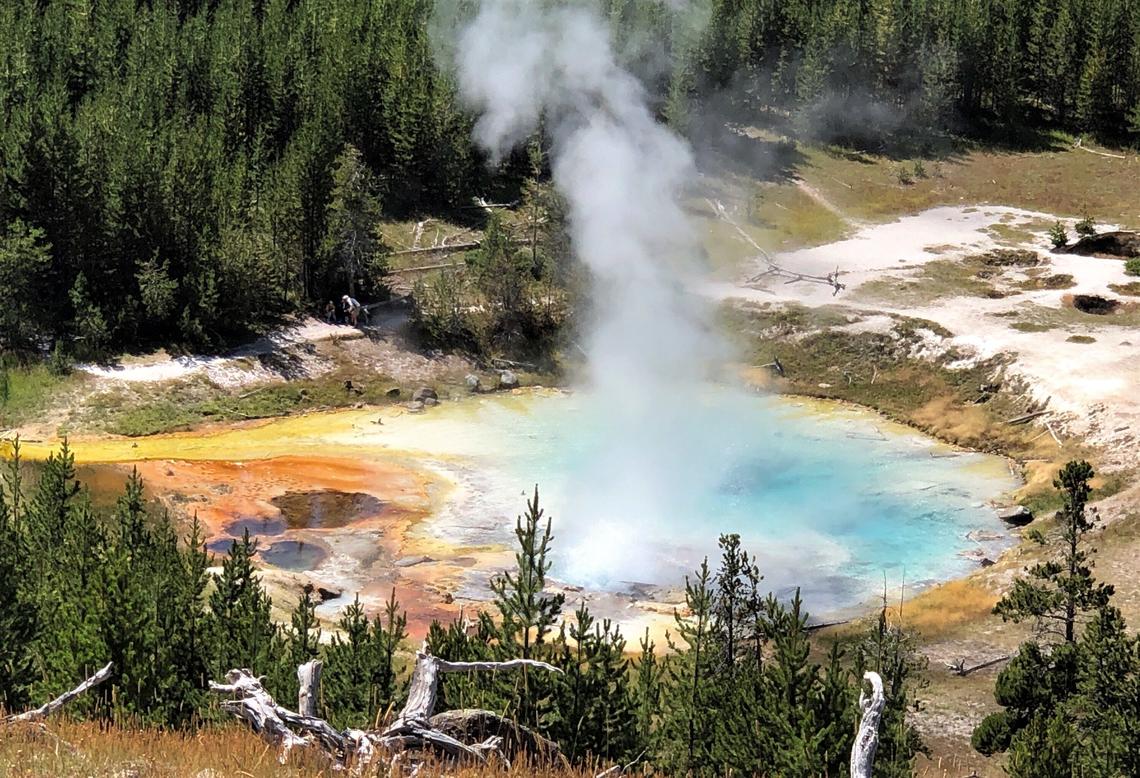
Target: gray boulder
x,y
474,383
508,380
1017,515
423,393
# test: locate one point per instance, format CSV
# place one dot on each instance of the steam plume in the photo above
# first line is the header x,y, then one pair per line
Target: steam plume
x,y
623,175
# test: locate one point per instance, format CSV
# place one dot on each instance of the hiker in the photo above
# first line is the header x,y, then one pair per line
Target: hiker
x,y
352,309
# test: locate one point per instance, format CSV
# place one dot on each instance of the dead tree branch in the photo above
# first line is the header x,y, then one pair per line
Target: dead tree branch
x,y
867,739
49,708
414,728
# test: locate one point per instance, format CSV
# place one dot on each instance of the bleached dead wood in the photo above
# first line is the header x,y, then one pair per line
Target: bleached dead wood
x,y
309,687
413,729
867,739
49,708
1080,145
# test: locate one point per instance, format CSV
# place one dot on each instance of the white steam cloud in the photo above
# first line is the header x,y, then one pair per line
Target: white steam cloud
x,y
649,346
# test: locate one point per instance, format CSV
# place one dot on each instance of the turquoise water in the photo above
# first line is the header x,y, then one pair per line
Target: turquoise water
x,y
828,500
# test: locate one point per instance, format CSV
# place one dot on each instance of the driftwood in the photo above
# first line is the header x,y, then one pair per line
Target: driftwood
x,y
959,667
867,738
415,728
1024,418
48,708
792,276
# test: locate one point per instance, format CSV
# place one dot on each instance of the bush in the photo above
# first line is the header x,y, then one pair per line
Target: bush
x,y
1058,236
1132,267
60,362
993,734
903,175
1086,227
920,169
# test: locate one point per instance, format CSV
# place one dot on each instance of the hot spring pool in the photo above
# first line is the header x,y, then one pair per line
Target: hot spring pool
x,y
829,498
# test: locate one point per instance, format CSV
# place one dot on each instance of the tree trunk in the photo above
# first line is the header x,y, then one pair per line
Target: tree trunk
x,y
867,738
309,694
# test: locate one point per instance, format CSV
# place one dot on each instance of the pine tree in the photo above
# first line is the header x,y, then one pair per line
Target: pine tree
x,y
19,623
1058,593
242,633
527,612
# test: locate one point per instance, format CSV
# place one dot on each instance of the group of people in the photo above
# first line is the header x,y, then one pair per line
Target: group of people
x,y
347,311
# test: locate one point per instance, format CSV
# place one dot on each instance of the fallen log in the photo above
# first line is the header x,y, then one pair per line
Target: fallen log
x,y
959,667
867,738
48,708
415,728
1027,417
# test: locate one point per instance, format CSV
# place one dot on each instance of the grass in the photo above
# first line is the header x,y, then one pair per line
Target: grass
x,y
1066,182
219,752
937,279
1030,326
31,391
1081,339
1132,288
184,405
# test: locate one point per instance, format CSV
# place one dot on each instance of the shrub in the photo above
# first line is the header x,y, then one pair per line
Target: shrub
x,y
1086,227
1058,236
920,169
1132,267
903,175
993,734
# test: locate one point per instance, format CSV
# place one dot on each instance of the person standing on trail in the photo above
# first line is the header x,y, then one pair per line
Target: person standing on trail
x,y
352,309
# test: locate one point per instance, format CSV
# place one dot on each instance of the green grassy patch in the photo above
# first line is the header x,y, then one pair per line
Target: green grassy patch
x,y
937,279
1030,326
31,391
1132,288
1081,339
191,403
1052,281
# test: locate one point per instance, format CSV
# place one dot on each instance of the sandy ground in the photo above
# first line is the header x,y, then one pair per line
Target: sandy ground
x,y
1093,388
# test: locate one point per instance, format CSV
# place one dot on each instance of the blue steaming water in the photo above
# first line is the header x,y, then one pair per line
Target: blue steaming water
x,y
829,499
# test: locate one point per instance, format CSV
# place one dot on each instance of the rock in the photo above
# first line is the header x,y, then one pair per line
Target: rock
x,y
1017,515
1122,244
508,380
412,561
448,598
474,384
983,536
328,594
987,562
415,406
393,393
430,402
423,393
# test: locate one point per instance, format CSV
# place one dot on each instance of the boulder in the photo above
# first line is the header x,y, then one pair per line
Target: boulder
x,y
508,380
416,406
987,562
474,383
1121,243
1017,515
430,402
423,393
328,594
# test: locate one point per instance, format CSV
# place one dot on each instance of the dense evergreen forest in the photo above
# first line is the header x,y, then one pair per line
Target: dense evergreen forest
x,y
187,170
